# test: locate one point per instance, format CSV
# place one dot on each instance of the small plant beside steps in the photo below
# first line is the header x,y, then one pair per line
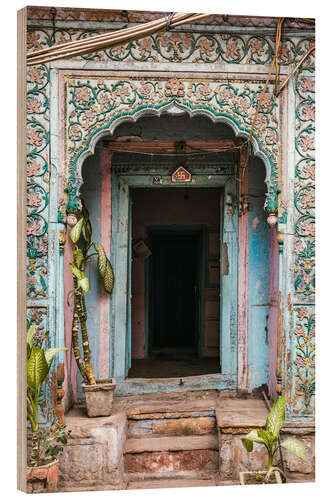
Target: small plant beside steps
x,y
48,442
98,393
269,437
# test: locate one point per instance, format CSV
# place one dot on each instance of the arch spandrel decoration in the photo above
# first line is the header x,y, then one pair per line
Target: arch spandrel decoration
x,y
96,105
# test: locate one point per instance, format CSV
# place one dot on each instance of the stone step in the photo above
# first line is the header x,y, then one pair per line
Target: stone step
x,y
172,461
169,483
179,443
172,409
179,426
161,475
169,479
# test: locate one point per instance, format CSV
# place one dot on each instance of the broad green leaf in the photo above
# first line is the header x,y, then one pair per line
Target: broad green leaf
x,y
76,271
295,447
268,437
84,284
51,353
101,263
69,296
28,351
248,445
85,211
86,228
78,257
76,231
30,334
37,368
250,438
87,231
108,280
276,416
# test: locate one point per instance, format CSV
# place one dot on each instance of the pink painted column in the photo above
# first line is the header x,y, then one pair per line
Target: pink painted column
x,y
273,311
104,301
70,382
243,269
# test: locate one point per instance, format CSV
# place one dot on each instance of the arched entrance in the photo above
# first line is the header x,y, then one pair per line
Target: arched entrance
x,y
154,218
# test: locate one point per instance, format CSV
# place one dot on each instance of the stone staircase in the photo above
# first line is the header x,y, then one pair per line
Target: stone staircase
x,y
172,445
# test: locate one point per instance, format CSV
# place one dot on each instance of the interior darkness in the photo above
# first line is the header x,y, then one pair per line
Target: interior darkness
x,y
175,261
174,301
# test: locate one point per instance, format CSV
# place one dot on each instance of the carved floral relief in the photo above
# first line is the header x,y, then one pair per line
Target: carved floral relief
x,y
95,104
180,47
37,180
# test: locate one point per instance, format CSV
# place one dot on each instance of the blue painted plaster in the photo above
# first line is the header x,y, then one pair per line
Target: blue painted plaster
x,y
259,278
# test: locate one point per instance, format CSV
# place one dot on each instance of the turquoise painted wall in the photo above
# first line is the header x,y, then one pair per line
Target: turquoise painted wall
x,y
259,278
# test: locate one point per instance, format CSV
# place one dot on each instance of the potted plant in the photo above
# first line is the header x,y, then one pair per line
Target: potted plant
x,y
269,437
47,443
98,393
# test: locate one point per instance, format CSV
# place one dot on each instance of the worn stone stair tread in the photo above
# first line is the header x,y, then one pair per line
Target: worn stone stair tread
x,y
168,407
174,443
184,474
241,413
170,483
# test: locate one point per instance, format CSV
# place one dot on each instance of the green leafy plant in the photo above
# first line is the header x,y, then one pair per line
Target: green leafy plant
x,y
81,233
269,437
38,366
52,441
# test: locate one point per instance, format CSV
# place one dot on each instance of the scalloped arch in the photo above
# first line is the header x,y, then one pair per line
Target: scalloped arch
x,y
175,105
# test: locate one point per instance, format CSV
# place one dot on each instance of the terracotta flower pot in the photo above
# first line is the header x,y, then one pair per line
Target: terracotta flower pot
x,y
43,478
99,397
258,477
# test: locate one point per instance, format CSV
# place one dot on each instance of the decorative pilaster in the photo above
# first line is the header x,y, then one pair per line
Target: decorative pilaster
x,y
243,270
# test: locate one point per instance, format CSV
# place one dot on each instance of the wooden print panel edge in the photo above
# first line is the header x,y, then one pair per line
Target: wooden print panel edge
x,y
21,250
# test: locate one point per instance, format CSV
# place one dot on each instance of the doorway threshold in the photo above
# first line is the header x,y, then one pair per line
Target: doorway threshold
x,y
218,381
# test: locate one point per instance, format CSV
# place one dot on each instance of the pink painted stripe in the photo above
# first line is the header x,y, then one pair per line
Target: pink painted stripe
x,y
104,337
243,289
70,363
70,380
273,311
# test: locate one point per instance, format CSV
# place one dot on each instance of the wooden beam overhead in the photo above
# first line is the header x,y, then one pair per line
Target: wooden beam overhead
x,y
173,146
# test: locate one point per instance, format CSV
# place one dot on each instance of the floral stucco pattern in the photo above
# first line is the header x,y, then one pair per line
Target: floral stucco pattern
x,y
305,182
37,180
304,245
93,105
304,333
180,47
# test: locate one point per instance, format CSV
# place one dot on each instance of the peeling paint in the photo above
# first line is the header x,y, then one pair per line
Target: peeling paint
x,y
255,222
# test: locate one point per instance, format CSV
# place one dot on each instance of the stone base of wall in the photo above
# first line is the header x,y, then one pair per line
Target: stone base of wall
x,y
159,442
238,418
93,458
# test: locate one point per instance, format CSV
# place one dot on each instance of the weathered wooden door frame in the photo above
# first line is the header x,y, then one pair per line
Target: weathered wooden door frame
x,y
227,379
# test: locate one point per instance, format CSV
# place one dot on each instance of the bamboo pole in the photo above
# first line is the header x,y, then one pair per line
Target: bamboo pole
x,y
173,147
99,42
105,36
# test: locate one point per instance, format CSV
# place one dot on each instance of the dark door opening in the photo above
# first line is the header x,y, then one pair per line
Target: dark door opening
x,y
175,282
174,298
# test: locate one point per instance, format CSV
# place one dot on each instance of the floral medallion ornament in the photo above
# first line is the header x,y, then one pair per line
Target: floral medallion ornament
x,y
71,219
